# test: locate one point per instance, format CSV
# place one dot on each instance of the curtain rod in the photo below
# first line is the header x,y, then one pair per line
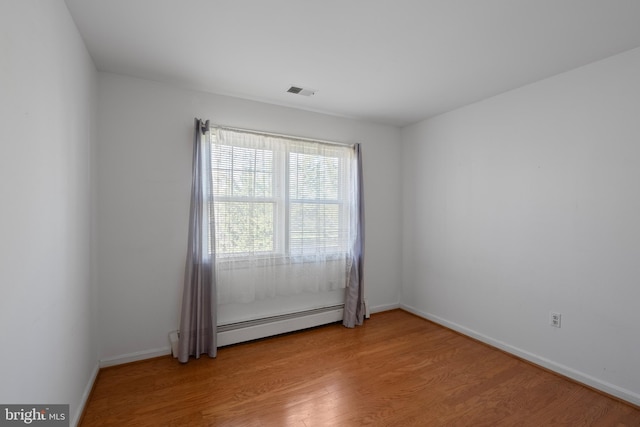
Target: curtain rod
x,y
280,135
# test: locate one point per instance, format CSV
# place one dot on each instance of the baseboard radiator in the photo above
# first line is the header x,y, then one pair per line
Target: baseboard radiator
x,y
234,333
261,328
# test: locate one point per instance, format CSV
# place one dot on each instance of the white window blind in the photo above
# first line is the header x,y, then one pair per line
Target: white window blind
x,y
245,208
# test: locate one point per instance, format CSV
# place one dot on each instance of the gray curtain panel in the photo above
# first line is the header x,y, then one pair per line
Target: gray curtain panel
x,y
198,317
354,299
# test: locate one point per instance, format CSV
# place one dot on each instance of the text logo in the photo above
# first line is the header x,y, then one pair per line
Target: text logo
x,y
35,415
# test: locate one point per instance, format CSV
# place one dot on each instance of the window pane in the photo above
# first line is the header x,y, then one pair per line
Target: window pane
x,y
315,228
313,177
242,172
244,227
243,183
221,182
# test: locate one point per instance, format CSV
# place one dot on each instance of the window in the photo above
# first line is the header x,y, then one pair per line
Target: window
x,y
279,196
246,204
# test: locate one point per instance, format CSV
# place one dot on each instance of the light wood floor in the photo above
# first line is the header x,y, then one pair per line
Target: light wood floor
x,y
396,370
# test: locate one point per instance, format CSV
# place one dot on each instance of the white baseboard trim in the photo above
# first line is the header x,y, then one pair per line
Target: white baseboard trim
x,y
85,396
134,357
588,380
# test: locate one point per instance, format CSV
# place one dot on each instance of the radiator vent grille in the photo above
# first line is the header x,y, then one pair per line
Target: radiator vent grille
x,y
301,91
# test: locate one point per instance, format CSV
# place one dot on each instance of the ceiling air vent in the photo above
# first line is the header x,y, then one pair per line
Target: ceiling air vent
x,y
301,91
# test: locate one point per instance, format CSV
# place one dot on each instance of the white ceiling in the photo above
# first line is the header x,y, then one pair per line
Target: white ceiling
x,y
388,61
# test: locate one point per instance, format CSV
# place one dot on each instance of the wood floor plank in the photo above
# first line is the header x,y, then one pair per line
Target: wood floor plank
x,y
397,369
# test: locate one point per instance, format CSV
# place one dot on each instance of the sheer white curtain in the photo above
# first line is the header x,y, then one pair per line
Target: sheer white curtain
x,y
285,232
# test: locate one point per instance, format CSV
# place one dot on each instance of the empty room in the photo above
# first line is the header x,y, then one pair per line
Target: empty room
x,y
320,213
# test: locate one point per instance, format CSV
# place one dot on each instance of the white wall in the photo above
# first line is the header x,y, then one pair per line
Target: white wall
x,y
144,166
528,203
47,109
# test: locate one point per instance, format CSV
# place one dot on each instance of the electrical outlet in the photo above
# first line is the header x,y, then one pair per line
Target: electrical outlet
x,y
555,319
